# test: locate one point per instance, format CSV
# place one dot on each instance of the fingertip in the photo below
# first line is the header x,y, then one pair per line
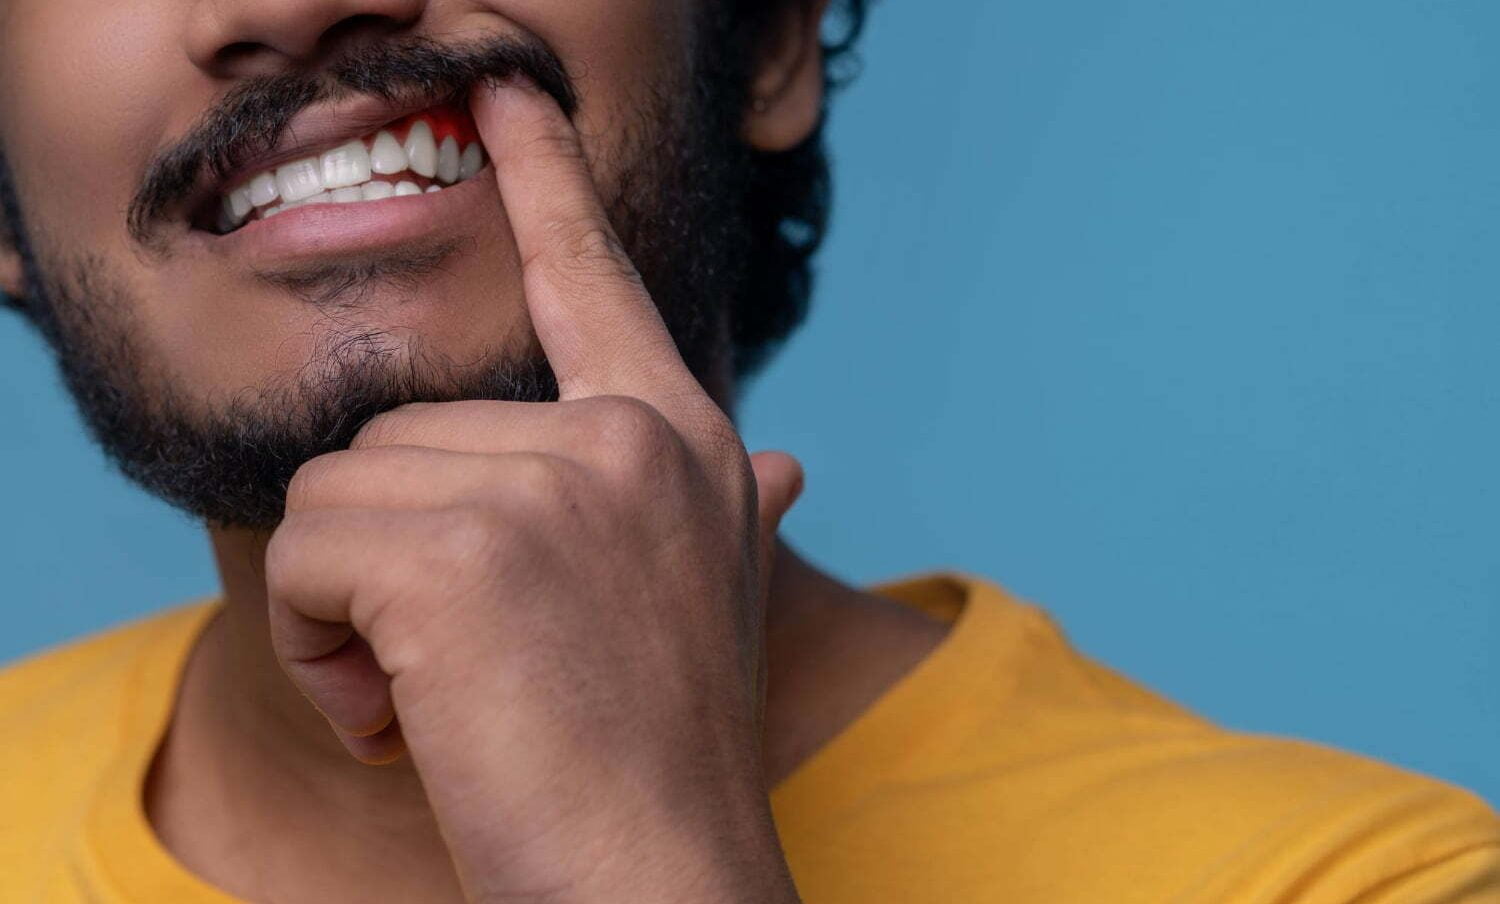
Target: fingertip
x,y
485,106
489,98
780,478
382,748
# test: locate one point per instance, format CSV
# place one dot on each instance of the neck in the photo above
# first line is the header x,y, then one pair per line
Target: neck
x,y
236,657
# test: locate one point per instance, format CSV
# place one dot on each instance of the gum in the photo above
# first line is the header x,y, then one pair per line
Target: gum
x,y
445,121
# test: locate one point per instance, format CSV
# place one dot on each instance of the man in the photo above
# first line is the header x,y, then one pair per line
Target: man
x,y
433,311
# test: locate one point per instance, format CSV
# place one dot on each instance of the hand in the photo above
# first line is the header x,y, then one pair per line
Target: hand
x,y
556,608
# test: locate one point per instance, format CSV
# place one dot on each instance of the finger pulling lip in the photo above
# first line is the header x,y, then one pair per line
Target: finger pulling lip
x,y
306,234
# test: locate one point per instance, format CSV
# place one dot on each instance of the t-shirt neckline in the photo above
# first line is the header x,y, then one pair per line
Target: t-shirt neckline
x,y
892,730
120,837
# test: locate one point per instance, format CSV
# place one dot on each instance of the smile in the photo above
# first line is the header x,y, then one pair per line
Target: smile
x,y
420,153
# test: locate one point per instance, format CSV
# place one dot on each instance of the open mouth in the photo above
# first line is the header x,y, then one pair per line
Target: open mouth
x,y
419,153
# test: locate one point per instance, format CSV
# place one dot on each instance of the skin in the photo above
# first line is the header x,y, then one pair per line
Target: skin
x,y
566,630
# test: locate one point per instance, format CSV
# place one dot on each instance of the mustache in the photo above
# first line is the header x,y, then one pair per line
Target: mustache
x,y
252,117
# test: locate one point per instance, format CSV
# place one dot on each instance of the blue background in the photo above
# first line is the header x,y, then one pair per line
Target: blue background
x,y
1176,317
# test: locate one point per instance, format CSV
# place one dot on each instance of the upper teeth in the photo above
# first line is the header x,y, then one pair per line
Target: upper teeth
x,y
347,173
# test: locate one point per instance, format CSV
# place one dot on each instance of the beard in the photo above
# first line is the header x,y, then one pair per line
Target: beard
x,y
678,208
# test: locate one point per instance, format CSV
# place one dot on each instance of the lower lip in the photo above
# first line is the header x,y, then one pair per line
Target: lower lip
x,y
313,231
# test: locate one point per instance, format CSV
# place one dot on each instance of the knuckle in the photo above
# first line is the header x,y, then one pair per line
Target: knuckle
x,y
384,429
585,249
468,535
462,537
539,482
632,428
591,240
312,481
550,141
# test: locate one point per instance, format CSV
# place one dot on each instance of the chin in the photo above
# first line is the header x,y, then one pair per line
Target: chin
x,y
448,308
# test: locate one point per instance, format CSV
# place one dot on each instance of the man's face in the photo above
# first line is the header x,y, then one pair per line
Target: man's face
x,y
213,355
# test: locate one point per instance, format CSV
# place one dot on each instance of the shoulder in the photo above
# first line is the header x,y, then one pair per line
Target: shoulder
x,y
1054,772
69,714
1217,816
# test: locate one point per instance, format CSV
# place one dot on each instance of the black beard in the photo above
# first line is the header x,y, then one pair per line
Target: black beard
x,y
679,213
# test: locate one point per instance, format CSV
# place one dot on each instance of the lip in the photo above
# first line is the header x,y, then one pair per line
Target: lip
x,y
320,231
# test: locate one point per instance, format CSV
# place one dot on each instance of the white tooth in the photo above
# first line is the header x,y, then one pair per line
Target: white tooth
x,y
322,197
386,155
272,211
239,203
433,188
347,164
404,188
347,195
262,189
374,191
471,162
299,179
421,150
448,160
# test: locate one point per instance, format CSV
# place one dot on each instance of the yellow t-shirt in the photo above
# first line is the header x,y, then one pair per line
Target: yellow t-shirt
x,y
1005,768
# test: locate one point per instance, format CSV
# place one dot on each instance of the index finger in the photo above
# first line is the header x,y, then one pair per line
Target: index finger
x,y
596,322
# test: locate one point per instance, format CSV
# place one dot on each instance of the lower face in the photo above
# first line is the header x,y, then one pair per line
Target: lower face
x,y
263,321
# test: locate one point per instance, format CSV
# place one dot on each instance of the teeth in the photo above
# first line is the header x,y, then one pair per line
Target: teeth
x,y
227,218
447,167
262,190
421,150
386,155
345,174
345,165
374,191
239,203
471,162
299,179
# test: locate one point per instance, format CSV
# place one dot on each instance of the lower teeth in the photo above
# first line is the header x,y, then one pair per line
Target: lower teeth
x,y
366,192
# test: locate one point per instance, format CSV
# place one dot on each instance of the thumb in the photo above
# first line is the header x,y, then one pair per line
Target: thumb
x,y
778,482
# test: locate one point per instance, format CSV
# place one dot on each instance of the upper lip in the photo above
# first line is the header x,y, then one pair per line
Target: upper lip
x,y
320,127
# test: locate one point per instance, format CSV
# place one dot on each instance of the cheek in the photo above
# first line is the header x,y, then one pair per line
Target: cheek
x,y
608,44
618,53
89,88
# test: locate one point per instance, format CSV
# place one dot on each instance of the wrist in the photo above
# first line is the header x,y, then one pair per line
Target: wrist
x,y
713,861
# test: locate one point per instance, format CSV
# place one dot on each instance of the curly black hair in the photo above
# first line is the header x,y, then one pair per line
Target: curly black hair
x,y
787,199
